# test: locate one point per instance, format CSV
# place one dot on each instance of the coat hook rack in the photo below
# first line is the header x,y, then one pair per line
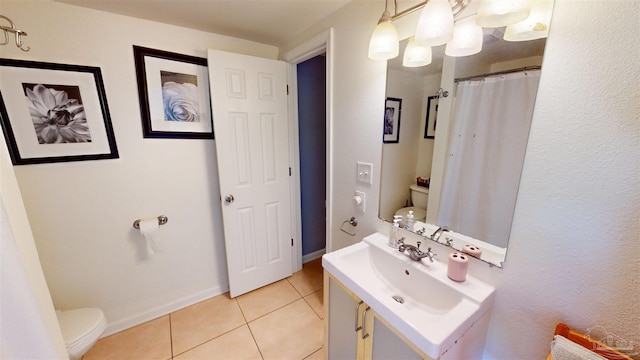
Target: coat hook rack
x,y
12,29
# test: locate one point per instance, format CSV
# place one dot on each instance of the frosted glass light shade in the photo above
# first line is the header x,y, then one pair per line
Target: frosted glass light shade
x,y
415,56
498,13
536,26
435,26
384,40
467,39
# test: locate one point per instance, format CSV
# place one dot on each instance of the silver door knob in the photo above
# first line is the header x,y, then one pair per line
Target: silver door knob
x,y
229,198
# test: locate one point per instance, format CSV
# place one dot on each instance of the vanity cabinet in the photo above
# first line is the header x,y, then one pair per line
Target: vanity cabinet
x,y
355,331
415,312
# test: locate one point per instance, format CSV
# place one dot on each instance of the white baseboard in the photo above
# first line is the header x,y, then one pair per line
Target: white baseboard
x,y
314,255
150,314
126,323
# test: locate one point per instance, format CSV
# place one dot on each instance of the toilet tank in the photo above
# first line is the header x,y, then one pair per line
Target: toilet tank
x,y
419,196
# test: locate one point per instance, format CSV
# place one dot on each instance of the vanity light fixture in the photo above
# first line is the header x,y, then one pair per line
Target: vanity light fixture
x,y
436,27
384,40
415,55
467,38
499,13
536,26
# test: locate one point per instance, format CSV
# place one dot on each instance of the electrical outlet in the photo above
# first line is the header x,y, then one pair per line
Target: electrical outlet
x,y
359,200
365,173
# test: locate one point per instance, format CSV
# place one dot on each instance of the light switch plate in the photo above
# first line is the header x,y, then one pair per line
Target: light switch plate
x,y
365,172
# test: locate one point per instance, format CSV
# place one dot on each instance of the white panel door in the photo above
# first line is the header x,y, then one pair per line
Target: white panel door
x,y
249,106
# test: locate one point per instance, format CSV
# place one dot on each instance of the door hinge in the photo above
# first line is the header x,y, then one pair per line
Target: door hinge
x,y
287,89
289,170
291,242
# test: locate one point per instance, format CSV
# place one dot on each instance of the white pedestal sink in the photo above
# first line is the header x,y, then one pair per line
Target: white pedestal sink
x,y
435,311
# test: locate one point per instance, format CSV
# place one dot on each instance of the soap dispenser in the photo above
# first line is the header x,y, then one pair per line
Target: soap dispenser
x,y
408,224
394,232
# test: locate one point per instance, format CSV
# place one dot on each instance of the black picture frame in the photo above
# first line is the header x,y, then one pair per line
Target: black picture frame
x,y
432,115
391,121
54,113
181,112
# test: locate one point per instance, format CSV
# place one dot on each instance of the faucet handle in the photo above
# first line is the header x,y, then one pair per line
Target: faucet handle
x,y
430,255
419,243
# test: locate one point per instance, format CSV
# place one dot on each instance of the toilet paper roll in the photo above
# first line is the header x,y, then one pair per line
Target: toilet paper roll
x,y
458,263
150,230
472,250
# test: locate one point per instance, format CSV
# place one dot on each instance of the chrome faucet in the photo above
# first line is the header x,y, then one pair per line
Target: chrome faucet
x,y
436,234
414,251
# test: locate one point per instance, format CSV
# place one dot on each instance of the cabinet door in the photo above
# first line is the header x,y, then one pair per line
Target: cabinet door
x,y
386,345
354,330
342,339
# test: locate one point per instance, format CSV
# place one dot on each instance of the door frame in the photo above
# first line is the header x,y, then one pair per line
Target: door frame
x,y
321,43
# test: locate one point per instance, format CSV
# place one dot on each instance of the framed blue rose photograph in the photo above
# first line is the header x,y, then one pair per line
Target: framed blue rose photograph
x,y
174,94
54,113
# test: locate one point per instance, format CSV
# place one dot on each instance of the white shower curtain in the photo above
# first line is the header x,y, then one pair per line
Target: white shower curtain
x,y
487,143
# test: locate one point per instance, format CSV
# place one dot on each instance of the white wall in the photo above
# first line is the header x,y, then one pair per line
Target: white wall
x,y
425,146
358,109
82,212
26,306
399,159
574,253
411,157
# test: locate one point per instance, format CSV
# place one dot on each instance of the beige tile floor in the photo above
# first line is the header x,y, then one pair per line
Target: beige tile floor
x,y
279,321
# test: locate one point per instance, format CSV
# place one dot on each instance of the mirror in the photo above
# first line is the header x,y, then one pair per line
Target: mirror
x,y
444,141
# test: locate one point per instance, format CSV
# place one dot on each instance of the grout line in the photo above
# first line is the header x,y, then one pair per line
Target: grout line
x,y
225,333
255,341
241,312
311,306
235,328
295,288
171,336
313,352
274,310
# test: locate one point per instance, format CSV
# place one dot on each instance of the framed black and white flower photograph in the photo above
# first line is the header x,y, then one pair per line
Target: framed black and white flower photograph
x,y
174,94
54,113
392,112
432,115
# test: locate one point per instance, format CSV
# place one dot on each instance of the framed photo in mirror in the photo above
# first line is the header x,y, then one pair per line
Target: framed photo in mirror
x,y
392,112
432,114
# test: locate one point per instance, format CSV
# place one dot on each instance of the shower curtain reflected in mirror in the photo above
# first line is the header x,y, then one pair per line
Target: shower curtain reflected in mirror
x,y
490,128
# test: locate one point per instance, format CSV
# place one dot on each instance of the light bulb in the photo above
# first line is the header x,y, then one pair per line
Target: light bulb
x,y
536,26
384,40
435,26
467,39
498,13
415,56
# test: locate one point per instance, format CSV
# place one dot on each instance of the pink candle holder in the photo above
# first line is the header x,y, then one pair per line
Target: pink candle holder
x,y
472,250
457,269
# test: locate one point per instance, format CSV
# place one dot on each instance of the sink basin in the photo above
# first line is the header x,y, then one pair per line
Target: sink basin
x,y
434,312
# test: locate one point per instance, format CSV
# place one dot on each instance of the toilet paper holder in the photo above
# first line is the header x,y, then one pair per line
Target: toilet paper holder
x,y
162,219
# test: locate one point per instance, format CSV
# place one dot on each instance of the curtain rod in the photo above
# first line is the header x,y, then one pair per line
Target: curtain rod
x,y
483,76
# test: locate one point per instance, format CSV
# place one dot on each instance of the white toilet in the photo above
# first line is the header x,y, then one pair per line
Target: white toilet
x,y
419,199
81,328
